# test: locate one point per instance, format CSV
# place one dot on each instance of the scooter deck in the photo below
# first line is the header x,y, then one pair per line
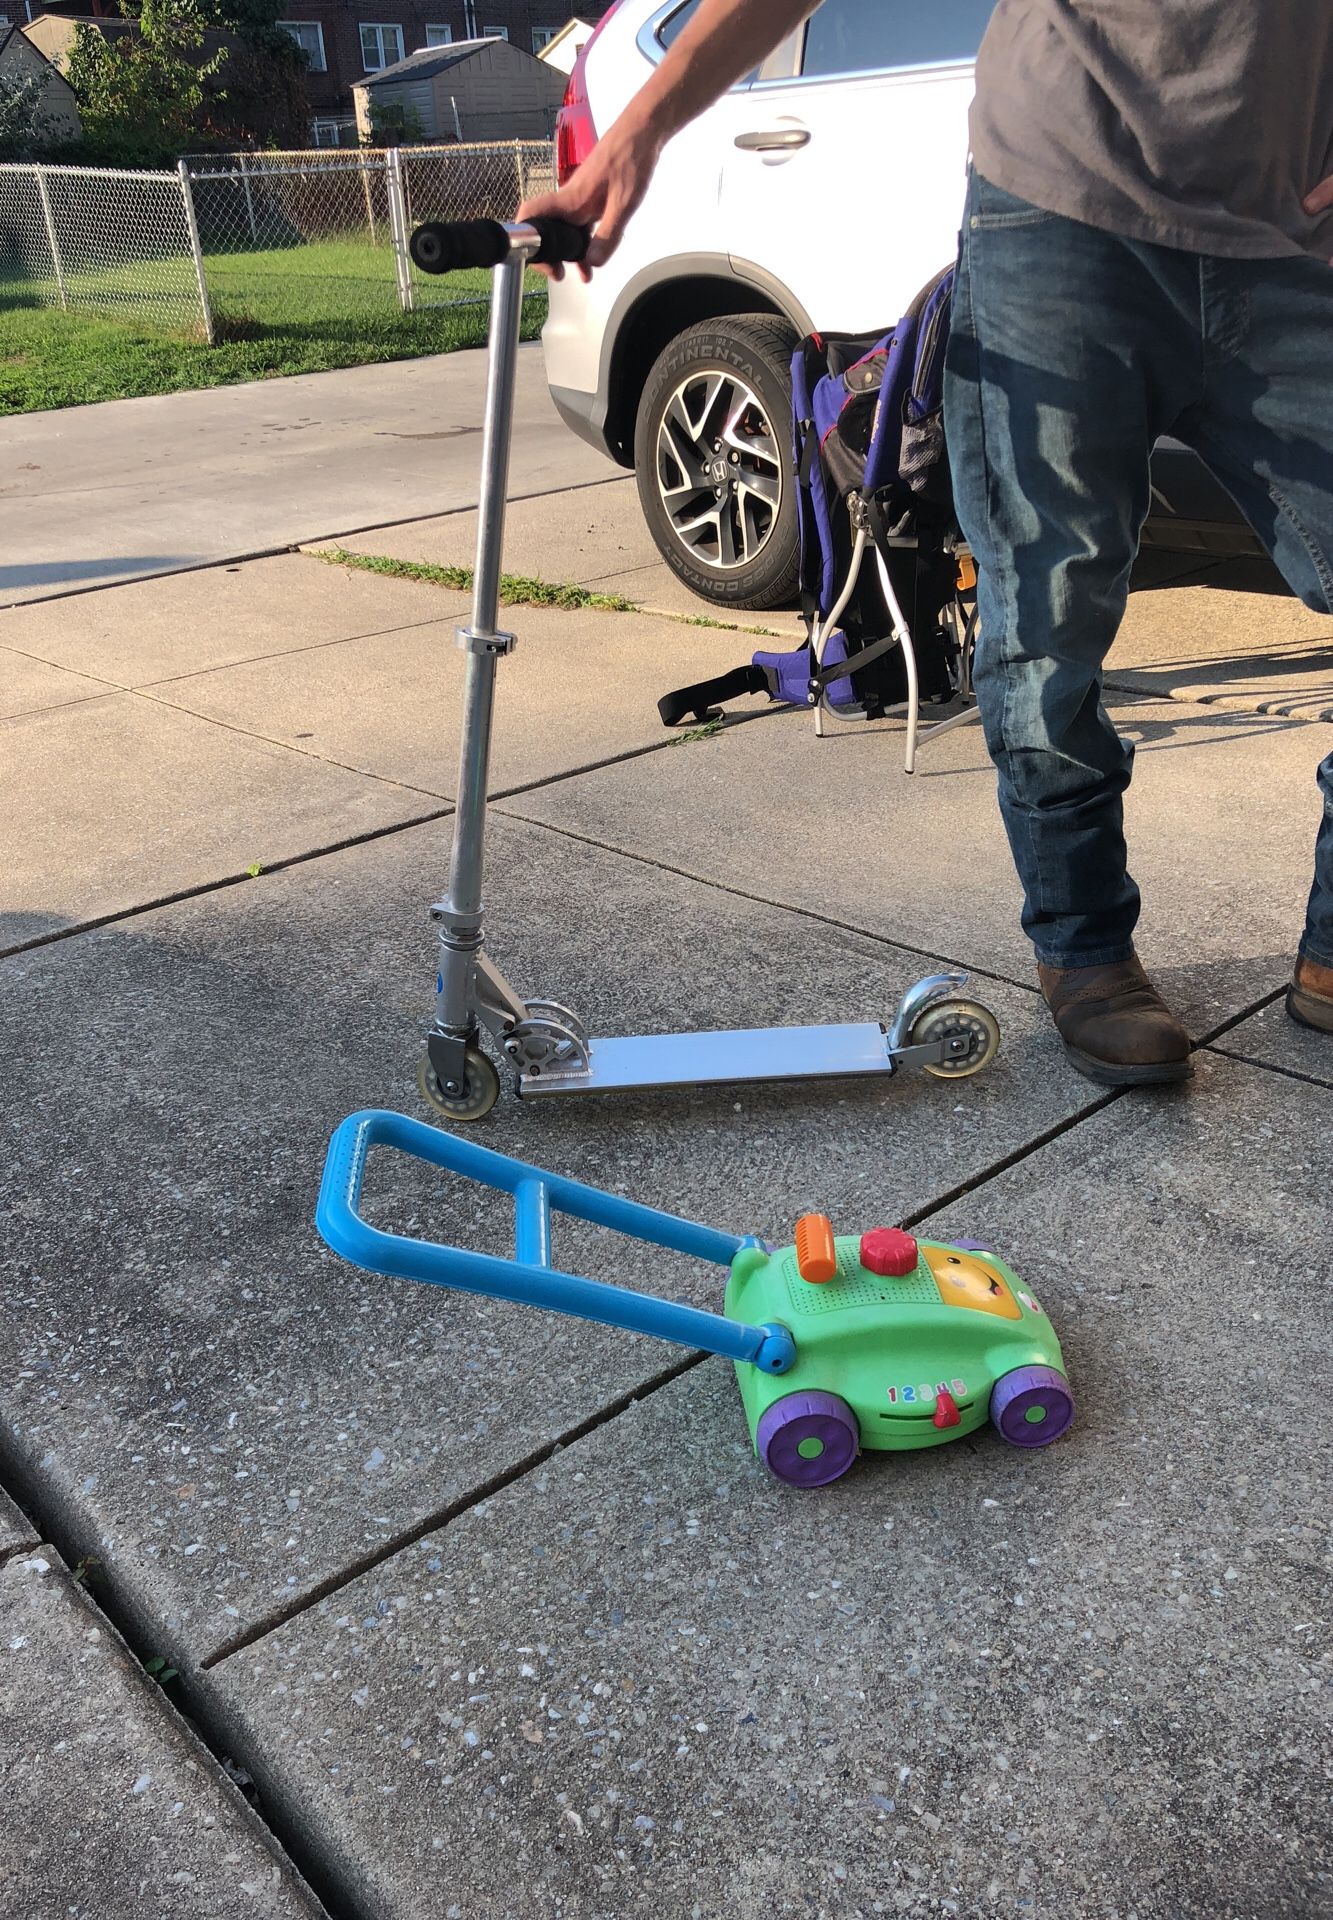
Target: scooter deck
x,y
719,1059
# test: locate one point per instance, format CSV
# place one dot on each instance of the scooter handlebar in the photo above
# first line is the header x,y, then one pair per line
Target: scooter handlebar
x,y
443,246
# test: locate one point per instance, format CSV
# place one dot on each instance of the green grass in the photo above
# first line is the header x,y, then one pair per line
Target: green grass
x,y
288,310
705,732
516,589
728,626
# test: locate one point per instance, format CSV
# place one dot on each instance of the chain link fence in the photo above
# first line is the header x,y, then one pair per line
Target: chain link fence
x,y
234,246
93,241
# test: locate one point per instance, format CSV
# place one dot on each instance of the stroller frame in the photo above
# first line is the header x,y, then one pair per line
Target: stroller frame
x,y
965,629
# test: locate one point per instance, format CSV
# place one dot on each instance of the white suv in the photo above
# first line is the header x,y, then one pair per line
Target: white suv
x,y
823,191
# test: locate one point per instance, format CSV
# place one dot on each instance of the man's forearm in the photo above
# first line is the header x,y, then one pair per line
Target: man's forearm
x,y
723,41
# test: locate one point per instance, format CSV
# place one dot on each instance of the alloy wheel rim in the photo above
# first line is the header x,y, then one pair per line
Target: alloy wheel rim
x,y
718,469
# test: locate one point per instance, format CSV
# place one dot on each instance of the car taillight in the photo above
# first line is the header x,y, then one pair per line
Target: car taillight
x,y
575,130
575,133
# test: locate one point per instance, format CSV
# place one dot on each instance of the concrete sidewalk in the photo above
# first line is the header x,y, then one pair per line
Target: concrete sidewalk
x,y
497,1611
133,488
112,1807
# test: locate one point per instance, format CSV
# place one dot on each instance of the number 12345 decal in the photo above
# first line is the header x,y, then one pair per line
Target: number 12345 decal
x,y
906,1396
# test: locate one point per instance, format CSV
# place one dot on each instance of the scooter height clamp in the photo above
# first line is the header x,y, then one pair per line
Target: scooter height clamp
x,y
493,643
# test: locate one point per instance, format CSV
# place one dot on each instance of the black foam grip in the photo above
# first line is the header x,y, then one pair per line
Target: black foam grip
x,y
443,246
561,240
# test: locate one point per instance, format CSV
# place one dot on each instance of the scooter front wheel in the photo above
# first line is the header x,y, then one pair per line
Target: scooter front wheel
x,y
949,1019
476,1097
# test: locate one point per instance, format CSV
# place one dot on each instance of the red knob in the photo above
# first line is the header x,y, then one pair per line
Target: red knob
x,y
946,1412
889,1251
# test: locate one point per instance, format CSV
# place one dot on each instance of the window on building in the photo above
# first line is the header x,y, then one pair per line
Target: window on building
x,y
868,36
329,133
542,37
381,46
495,33
439,36
309,37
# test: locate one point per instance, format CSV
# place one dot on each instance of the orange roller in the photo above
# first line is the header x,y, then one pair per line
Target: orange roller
x,y
816,1253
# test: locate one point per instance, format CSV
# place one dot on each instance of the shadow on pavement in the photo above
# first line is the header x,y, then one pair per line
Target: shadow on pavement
x,y
45,573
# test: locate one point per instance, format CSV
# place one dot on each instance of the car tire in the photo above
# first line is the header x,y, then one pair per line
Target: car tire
x,y
736,543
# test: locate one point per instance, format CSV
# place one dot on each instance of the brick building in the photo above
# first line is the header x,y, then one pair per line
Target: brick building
x,y
347,39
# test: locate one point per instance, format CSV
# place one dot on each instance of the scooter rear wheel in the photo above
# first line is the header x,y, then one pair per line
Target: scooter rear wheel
x,y
479,1092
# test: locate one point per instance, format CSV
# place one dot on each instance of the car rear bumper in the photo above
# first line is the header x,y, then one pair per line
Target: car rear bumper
x,y
584,414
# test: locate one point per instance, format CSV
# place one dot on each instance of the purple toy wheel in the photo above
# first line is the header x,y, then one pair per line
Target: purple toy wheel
x,y
971,1246
808,1439
1031,1406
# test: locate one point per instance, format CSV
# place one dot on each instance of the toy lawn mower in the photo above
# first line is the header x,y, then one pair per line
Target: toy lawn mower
x,y
843,1344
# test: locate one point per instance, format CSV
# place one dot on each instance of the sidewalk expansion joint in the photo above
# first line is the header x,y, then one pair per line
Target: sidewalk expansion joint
x,y
1271,1066
1096,1105
531,590
453,1510
294,546
287,746
285,653
622,758
188,1704
218,886
743,893
1233,1020
443,812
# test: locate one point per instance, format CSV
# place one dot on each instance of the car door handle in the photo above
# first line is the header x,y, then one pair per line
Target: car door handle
x,y
773,140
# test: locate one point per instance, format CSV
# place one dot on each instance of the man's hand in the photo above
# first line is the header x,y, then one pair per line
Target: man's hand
x,y
1320,200
603,193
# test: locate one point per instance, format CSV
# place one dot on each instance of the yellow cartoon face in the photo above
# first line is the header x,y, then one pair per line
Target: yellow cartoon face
x,y
966,1280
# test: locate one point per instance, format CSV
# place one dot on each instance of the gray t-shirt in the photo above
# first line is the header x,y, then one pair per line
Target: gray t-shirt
x,y
1199,124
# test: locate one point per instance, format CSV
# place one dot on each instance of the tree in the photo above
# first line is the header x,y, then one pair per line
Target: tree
x,y
394,126
265,102
255,23
22,123
141,94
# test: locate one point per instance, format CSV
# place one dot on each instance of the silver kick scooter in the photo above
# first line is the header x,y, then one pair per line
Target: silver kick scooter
x,y
550,1048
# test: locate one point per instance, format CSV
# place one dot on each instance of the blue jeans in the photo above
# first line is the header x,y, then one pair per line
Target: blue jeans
x,y
1071,352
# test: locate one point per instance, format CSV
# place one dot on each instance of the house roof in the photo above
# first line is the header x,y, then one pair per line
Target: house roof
x,y
52,36
575,24
428,61
109,24
9,33
55,77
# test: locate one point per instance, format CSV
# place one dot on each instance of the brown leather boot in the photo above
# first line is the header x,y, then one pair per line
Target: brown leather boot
x,y
1116,1027
1310,995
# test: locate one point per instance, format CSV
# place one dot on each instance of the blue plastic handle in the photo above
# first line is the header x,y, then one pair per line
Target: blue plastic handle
x,y
530,1278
